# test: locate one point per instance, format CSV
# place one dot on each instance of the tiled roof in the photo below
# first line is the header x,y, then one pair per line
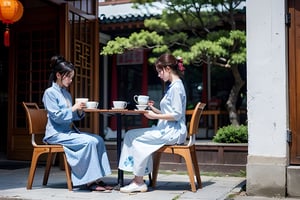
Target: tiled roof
x,y
116,13
126,13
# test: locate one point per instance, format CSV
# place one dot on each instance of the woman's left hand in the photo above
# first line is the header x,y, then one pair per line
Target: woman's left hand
x,y
78,106
151,115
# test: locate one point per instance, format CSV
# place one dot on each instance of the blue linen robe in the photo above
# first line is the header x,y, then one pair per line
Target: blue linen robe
x,y
85,152
139,144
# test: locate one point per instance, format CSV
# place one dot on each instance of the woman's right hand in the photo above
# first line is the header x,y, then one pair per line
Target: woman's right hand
x,y
151,106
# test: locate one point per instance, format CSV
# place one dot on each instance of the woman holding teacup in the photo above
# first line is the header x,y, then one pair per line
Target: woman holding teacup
x,y
139,144
85,152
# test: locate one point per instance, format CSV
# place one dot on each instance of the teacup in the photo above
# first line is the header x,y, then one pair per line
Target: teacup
x,y
84,100
119,104
141,99
92,104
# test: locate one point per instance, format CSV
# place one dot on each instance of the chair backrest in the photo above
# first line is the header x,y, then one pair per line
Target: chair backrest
x,y
36,119
194,123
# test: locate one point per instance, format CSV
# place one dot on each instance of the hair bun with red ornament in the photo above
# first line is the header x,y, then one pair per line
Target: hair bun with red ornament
x,y
180,64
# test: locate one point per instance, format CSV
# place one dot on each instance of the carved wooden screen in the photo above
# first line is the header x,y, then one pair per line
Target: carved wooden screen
x,y
82,55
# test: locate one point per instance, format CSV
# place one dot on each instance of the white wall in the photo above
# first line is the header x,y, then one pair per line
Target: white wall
x,y
267,78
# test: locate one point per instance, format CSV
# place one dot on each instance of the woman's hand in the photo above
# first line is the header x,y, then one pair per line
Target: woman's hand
x,y
151,106
151,115
78,106
151,103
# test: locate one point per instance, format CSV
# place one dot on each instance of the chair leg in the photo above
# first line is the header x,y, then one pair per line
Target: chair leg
x,y
196,166
156,161
150,179
48,167
189,165
35,157
68,173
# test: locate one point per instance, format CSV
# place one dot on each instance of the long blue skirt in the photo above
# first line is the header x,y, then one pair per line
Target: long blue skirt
x,y
86,155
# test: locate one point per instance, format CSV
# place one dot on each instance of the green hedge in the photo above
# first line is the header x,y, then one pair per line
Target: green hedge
x,y
232,134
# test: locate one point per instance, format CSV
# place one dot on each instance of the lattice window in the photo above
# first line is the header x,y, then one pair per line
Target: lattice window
x,y
34,50
82,62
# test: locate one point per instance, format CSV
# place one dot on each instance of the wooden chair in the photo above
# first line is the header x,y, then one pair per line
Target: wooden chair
x,y
187,151
36,121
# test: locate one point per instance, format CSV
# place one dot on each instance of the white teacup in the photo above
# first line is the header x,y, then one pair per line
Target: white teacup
x,y
92,104
119,104
84,100
141,99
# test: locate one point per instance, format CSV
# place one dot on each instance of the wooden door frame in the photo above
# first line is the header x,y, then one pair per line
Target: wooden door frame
x,y
293,69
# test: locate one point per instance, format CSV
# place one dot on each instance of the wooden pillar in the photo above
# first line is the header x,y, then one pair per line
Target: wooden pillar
x,y
145,83
114,90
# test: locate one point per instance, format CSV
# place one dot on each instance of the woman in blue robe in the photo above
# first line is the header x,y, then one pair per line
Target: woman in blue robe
x,y
86,153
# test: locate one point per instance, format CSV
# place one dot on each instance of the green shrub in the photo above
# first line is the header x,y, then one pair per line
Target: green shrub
x,y
232,134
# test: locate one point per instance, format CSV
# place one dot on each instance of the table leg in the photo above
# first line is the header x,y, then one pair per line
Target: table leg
x,y
119,143
216,123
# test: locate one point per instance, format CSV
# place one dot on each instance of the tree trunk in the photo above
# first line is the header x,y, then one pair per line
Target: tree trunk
x,y
233,96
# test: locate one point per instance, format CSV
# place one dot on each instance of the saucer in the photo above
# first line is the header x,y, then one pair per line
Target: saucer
x,y
142,107
144,111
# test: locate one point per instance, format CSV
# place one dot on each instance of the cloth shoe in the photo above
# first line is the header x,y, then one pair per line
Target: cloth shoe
x,y
133,187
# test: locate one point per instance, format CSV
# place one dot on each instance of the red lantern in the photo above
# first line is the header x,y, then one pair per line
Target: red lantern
x,y
10,12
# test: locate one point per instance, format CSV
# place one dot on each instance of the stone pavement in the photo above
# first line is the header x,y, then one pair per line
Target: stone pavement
x,y
170,186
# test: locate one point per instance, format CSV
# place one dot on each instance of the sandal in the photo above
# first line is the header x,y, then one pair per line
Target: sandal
x,y
96,187
102,184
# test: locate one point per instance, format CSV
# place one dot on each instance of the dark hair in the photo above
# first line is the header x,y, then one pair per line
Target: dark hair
x,y
169,60
60,65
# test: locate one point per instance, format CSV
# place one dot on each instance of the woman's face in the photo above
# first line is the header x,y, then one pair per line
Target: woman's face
x,y
65,80
164,73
